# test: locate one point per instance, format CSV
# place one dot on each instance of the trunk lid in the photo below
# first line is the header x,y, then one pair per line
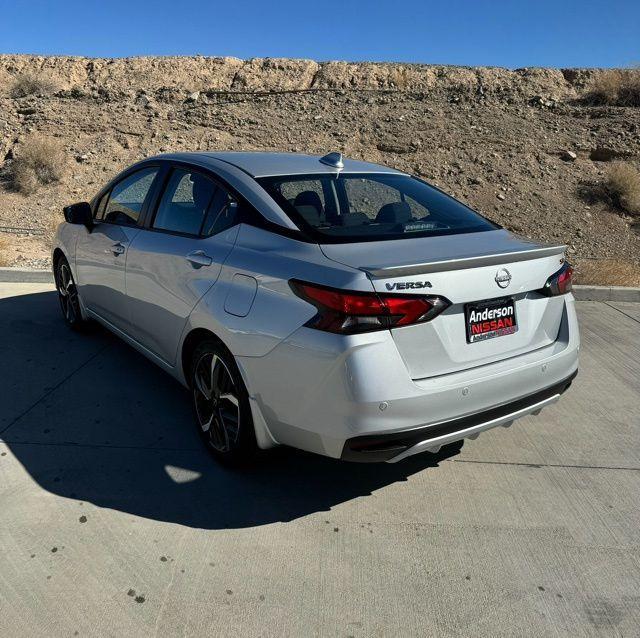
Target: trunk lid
x,y
464,269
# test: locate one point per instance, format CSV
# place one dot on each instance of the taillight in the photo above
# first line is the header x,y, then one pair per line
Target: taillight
x,y
350,312
560,282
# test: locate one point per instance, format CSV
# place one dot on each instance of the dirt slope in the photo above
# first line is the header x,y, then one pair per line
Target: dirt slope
x,y
493,137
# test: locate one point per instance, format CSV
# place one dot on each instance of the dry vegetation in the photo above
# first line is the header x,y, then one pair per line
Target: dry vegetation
x,y
618,189
623,187
26,85
608,272
40,161
620,87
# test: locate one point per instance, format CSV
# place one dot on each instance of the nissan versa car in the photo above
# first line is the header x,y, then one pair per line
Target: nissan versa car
x,y
332,305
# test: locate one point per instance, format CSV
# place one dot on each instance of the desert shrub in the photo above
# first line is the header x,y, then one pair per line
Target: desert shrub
x,y
38,161
607,272
623,187
619,87
29,84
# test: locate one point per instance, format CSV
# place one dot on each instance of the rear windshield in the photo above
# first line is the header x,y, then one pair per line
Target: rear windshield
x,y
370,207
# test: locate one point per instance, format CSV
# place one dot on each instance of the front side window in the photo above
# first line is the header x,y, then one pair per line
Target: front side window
x,y
100,206
365,207
127,197
185,202
193,204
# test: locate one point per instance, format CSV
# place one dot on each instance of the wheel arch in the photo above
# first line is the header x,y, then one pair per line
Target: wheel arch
x,y
57,254
195,336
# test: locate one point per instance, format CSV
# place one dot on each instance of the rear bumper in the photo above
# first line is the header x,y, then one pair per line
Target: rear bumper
x,y
398,445
333,395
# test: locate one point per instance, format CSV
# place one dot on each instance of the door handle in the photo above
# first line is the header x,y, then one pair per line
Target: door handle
x,y
199,258
116,249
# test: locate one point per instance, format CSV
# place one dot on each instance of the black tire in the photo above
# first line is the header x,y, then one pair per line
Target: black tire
x,y
68,295
221,404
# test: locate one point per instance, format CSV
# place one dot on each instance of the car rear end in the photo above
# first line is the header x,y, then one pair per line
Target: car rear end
x,y
383,394
445,332
492,355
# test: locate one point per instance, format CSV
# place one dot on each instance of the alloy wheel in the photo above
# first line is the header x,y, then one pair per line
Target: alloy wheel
x,y
217,402
67,293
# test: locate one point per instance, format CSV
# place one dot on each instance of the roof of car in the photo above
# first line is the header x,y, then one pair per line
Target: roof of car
x,y
264,164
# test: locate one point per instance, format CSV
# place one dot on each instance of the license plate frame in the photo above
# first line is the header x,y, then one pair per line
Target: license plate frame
x,y
490,318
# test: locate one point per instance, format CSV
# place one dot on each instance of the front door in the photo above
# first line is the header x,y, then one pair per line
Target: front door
x,y
101,253
174,262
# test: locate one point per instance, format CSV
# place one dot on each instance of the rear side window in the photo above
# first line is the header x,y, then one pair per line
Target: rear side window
x,y
222,213
127,198
370,207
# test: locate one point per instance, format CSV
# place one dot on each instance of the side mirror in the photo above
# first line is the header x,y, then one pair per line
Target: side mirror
x,y
79,213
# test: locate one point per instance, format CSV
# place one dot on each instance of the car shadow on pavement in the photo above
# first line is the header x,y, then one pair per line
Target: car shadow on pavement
x,y
90,419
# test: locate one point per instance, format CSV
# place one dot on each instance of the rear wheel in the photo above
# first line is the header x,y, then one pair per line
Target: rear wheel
x,y
221,404
68,295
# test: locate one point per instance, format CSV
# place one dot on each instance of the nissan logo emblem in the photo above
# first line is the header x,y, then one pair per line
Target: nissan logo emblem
x,y
503,277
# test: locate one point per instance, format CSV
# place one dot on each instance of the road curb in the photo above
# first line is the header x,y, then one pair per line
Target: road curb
x,y
581,293
606,293
25,276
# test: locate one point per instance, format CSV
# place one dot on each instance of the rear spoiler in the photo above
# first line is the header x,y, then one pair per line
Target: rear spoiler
x,y
461,263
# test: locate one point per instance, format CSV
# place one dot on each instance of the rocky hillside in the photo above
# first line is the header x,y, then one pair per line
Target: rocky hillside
x,y
522,146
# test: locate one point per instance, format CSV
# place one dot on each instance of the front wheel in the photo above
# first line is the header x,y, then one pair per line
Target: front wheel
x,y
221,404
68,295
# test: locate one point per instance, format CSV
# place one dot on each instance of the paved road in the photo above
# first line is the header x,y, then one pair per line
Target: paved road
x,y
115,522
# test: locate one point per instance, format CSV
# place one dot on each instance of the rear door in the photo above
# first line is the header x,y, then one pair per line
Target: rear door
x,y
176,258
101,253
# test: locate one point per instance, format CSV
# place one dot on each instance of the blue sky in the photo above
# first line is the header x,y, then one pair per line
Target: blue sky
x,y
499,33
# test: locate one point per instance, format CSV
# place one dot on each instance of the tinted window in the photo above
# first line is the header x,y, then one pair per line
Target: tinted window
x,y
127,197
368,196
374,207
185,202
222,214
310,189
307,197
99,209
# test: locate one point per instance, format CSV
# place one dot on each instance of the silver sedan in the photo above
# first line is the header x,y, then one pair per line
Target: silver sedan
x,y
332,305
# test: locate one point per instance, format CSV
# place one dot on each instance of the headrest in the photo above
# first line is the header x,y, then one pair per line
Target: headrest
x,y
308,198
395,213
310,214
